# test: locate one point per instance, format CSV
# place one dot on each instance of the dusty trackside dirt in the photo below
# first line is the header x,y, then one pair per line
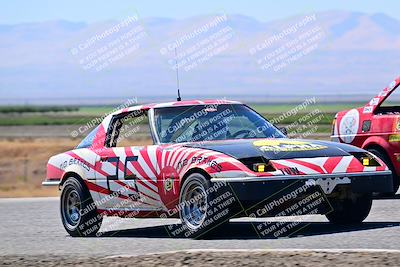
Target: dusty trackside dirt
x,y
217,258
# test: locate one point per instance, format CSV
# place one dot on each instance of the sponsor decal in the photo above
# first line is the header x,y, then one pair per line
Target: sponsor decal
x,y
383,93
290,171
286,146
349,125
329,184
392,85
396,125
374,101
168,184
208,161
75,161
367,109
394,138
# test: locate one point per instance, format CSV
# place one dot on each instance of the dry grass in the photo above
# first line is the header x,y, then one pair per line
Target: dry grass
x,y
23,164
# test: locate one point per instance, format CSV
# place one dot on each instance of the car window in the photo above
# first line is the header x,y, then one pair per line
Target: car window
x,y
125,128
392,100
391,105
88,140
211,122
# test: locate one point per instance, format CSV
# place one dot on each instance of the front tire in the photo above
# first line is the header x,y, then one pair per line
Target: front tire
x,y
352,209
199,212
78,211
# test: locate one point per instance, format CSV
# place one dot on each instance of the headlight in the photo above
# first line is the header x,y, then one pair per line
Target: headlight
x,y
366,159
258,164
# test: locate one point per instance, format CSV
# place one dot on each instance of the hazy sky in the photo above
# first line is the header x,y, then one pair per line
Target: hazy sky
x,y
17,11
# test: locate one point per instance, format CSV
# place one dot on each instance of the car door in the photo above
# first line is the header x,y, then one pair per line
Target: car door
x,y
123,170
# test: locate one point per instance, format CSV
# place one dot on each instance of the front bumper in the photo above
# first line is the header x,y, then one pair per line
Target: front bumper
x,y
258,188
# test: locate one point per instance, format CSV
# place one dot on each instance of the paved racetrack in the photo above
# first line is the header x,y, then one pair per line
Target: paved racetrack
x,y
33,227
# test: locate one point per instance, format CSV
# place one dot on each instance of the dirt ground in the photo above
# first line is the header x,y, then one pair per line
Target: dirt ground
x,y
217,258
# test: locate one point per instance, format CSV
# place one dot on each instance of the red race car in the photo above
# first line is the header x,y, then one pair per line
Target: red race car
x,y
374,127
209,161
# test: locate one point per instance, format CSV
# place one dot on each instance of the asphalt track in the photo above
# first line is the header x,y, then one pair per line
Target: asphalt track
x,y
32,227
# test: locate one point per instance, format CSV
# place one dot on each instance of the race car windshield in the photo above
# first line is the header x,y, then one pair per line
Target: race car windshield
x,y
211,122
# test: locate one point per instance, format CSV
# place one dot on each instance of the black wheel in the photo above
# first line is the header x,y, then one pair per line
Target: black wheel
x,y
199,212
78,212
388,163
351,209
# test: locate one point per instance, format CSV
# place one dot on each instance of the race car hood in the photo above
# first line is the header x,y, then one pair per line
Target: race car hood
x,y
278,148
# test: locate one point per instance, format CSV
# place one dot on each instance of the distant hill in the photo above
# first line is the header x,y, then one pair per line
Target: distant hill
x,y
355,54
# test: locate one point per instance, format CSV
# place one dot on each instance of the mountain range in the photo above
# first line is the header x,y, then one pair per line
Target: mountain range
x,y
335,53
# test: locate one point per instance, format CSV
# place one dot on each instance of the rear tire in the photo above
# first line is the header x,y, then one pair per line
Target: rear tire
x,y
78,211
352,209
388,163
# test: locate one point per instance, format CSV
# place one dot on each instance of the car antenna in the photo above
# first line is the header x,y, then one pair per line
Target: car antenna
x,y
177,76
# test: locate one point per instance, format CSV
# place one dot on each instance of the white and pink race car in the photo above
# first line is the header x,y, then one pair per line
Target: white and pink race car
x,y
210,161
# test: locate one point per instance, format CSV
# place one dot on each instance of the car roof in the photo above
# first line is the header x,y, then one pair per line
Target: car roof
x,y
176,104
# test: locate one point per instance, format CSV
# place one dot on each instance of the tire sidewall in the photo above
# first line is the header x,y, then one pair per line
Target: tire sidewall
x,y
90,221
353,210
70,185
193,179
214,217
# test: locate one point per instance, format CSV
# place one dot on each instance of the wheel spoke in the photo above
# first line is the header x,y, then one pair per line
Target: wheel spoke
x,y
72,208
195,208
